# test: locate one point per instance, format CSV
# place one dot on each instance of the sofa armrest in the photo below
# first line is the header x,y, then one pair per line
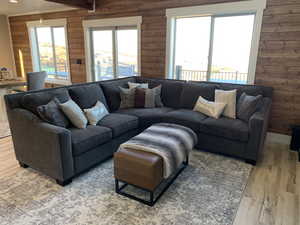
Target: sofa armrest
x,y
42,146
258,127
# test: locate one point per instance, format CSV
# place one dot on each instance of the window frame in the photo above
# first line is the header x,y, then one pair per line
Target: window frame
x,y
254,7
32,27
102,24
115,49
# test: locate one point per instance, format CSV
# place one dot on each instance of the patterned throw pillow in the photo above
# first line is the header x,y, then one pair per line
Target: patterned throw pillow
x,y
127,98
247,106
148,98
212,109
52,114
96,113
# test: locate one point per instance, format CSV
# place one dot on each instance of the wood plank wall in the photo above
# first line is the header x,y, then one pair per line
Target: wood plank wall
x,y
278,62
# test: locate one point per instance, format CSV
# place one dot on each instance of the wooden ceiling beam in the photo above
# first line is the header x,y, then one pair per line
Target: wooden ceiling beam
x,y
86,4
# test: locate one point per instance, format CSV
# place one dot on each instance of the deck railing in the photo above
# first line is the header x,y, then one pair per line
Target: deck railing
x,y
198,75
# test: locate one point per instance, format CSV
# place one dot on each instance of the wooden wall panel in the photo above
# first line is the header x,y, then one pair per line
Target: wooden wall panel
x,y
278,61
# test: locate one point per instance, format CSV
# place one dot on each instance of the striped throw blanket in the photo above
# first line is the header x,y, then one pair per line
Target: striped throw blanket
x,y
170,141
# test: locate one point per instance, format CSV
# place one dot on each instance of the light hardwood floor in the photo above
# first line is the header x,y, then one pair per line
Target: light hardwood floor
x,y
270,198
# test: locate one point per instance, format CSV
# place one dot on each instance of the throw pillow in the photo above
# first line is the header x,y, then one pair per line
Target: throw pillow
x,y
96,113
74,113
140,85
145,98
148,98
229,98
127,98
52,114
247,106
158,101
212,109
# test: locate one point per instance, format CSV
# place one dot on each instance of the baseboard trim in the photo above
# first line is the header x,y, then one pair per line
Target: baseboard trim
x,y
278,138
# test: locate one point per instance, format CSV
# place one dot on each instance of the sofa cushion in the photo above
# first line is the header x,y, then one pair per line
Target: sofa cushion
x,y
248,89
112,91
147,116
119,123
86,96
185,117
192,91
84,140
32,100
233,129
171,90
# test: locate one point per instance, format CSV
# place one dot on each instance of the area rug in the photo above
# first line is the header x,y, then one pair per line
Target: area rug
x,y
4,129
208,192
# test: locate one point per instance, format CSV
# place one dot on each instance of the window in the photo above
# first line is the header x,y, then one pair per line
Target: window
x,y
114,52
49,49
112,48
214,43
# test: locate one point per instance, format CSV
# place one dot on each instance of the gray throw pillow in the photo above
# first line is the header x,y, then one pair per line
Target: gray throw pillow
x,y
74,113
52,114
158,101
127,98
247,106
96,113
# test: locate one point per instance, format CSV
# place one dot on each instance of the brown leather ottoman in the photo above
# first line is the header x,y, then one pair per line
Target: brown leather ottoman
x,y
142,169
152,160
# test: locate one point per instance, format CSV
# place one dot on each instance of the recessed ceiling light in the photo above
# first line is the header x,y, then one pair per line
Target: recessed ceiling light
x,y
14,1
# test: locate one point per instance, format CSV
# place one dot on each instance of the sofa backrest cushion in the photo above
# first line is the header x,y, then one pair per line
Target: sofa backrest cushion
x,y
87,95
170,92
192,90
253,90
112,91
31,101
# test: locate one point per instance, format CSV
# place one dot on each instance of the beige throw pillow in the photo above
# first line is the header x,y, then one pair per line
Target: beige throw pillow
x,y
139,85
74,114
212,109
96,113
229,98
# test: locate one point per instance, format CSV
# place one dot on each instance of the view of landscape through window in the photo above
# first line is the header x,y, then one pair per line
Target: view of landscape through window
x,y
52,51
230,39
115,53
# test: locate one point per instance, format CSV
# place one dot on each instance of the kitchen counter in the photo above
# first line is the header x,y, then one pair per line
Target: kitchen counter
x,y
12,83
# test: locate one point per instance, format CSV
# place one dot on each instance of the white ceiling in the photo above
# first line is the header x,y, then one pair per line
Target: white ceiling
x,y
29,7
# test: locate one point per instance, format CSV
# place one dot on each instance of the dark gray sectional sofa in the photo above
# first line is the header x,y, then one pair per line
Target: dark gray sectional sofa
x,y
64,153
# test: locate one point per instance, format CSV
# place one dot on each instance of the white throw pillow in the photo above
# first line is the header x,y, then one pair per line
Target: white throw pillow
x,y
228,97
74,113
140,85
96,113
212,109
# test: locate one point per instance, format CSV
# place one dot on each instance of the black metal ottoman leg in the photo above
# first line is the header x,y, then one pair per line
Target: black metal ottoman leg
x,y
23,165
117,186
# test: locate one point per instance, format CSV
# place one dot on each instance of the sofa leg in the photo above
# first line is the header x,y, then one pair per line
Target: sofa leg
x,y
23,165
64,183
250,161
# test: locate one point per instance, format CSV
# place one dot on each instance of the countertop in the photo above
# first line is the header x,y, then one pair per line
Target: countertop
x,y
12,83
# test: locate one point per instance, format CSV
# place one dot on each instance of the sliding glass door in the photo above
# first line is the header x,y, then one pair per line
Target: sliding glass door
x,y
114,52
213,48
